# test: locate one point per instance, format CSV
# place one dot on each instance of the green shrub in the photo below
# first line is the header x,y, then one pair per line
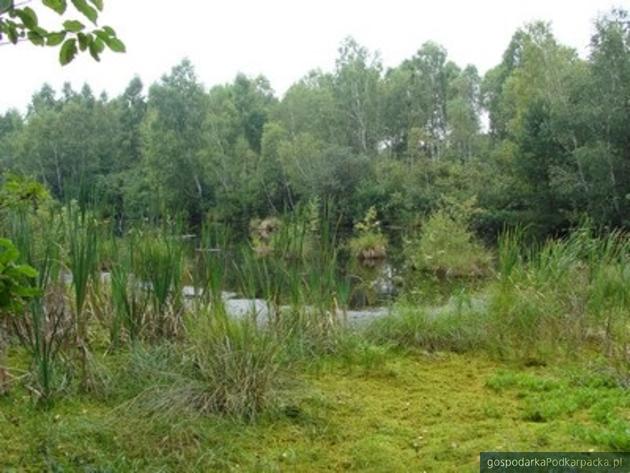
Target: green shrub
x,y
15,280
369,245
447,248
20,193
15,290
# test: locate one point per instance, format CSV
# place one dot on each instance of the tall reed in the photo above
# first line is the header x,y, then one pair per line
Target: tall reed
x,y
211,262
45,329
82,260
160,266
300,279
129,300
562,297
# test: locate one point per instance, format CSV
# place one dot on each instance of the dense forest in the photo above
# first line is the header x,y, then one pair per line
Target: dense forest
x,y
540,140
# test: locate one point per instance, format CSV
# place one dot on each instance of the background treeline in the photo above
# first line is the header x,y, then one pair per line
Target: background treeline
x,y
556,148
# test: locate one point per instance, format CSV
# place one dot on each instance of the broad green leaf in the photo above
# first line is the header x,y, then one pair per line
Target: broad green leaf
x,y
86,9
98,4
57,5
28,17
27,271
26,292
8,251
109,30
84,41
35,38
116,45
94,53
40,31
12,33
55,39
73,26
102,35
68,51
96,48
6,5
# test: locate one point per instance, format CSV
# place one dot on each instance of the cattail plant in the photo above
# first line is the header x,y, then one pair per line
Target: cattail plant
x,y
82,259
46,329
129,300
211,263
160,266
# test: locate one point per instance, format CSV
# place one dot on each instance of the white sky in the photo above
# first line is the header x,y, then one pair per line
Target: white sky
x,y
284,39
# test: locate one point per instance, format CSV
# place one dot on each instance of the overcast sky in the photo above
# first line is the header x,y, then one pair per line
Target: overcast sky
x,y
284,39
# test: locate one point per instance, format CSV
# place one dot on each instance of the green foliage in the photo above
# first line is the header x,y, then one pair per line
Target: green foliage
x,y
173,141
369,244
15,290
385,416
45,332
212,261
19,193
446,247
253,178
295,236
21,23
396,144
15,280
399,141
549,399
355,88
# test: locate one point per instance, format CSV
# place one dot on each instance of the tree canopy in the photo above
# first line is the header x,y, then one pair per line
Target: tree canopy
x,y
541,139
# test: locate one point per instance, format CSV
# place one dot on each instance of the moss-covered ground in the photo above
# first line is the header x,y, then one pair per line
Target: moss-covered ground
x,y
429,412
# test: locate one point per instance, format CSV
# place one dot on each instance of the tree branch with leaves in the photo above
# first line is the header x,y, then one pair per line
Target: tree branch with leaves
x,y
19,22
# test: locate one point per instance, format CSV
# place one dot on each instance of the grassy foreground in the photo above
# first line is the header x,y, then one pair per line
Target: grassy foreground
x,y
425,412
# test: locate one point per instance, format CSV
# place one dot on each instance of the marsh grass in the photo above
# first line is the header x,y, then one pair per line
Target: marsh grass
x,y
211,262
129,300
46,328
46,332
562,298
377,420
81,242
159,266
227,367
547,302
457,329
237,362
305,291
